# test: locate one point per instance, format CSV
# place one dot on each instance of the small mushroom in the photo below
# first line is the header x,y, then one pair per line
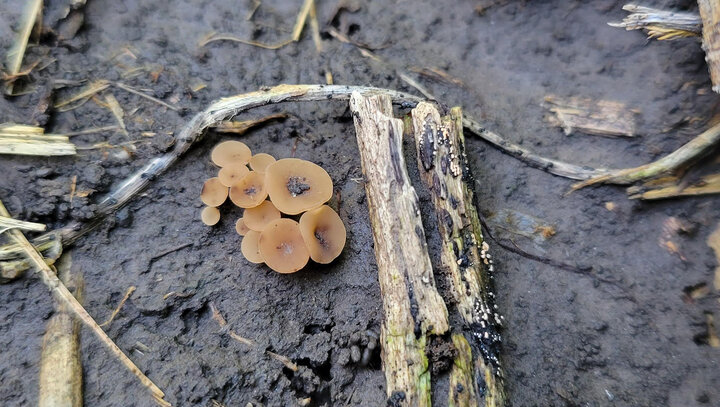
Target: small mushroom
x,y
250,191
324,234
231,174
259,162
210,215
214,193
282,246
241,228
256,218
296,186
249,247
230,152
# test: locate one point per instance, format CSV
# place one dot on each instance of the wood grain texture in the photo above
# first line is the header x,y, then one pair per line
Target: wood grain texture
x,y
465,255
413,309
710,15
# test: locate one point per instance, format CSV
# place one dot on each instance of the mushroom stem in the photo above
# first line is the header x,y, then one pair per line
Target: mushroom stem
x,y
412,306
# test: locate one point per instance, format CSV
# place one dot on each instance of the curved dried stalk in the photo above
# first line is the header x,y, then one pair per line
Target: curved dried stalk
x,y
688,153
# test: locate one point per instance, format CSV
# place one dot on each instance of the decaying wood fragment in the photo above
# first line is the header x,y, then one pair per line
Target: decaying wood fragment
x,y
599,117
413,309
60,362
661,24
710,14
465,254
462,386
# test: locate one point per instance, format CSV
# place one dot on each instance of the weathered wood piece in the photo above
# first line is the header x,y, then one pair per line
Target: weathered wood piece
x,y
60,362
598,117
710,14
412,306
465,254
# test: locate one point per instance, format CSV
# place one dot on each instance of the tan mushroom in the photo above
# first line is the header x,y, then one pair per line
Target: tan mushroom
x,y
324,234
259,162
214,193
241,228
249,247
250,191
282,246
256,218
296,186
230,152
231,174
210,215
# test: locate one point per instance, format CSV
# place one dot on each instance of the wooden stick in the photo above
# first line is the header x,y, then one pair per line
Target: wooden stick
x,y
60,361
466,257
660,24
710,14
413,309
48,277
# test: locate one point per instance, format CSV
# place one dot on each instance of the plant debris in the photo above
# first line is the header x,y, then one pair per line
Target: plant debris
x,y
30,140
599,117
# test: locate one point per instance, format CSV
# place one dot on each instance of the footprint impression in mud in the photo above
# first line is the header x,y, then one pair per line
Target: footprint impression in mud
x,y
297,189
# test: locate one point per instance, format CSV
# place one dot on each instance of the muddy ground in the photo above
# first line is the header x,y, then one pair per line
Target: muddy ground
x,y
622,337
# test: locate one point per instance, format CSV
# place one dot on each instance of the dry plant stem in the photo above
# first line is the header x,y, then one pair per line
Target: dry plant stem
x,y
652,19
412,307
710,14
687,154
465,254
708,185
33,9
60,361
62,295
10,223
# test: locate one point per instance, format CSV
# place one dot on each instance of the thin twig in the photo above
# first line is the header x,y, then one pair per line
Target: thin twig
x,y
48,277
33,9
119,307
144,95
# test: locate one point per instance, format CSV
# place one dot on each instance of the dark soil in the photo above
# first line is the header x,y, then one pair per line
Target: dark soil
x,y
623,336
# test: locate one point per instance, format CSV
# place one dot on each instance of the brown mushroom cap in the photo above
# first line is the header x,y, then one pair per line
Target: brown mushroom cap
x,y
230,152
231,174
324,234
259,162
296,185
249,247
210,215
256,218
250,191
241,228
214,193
282,246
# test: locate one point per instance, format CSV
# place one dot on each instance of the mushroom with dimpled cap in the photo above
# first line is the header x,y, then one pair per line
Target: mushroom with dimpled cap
x,y
324,234
250,191
232,174
259,162
258,217
249,247
282,246
210,215
241,228
230,152
295,185
213,192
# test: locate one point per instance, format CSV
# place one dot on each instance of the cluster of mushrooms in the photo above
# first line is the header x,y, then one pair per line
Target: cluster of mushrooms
x,y
294,187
